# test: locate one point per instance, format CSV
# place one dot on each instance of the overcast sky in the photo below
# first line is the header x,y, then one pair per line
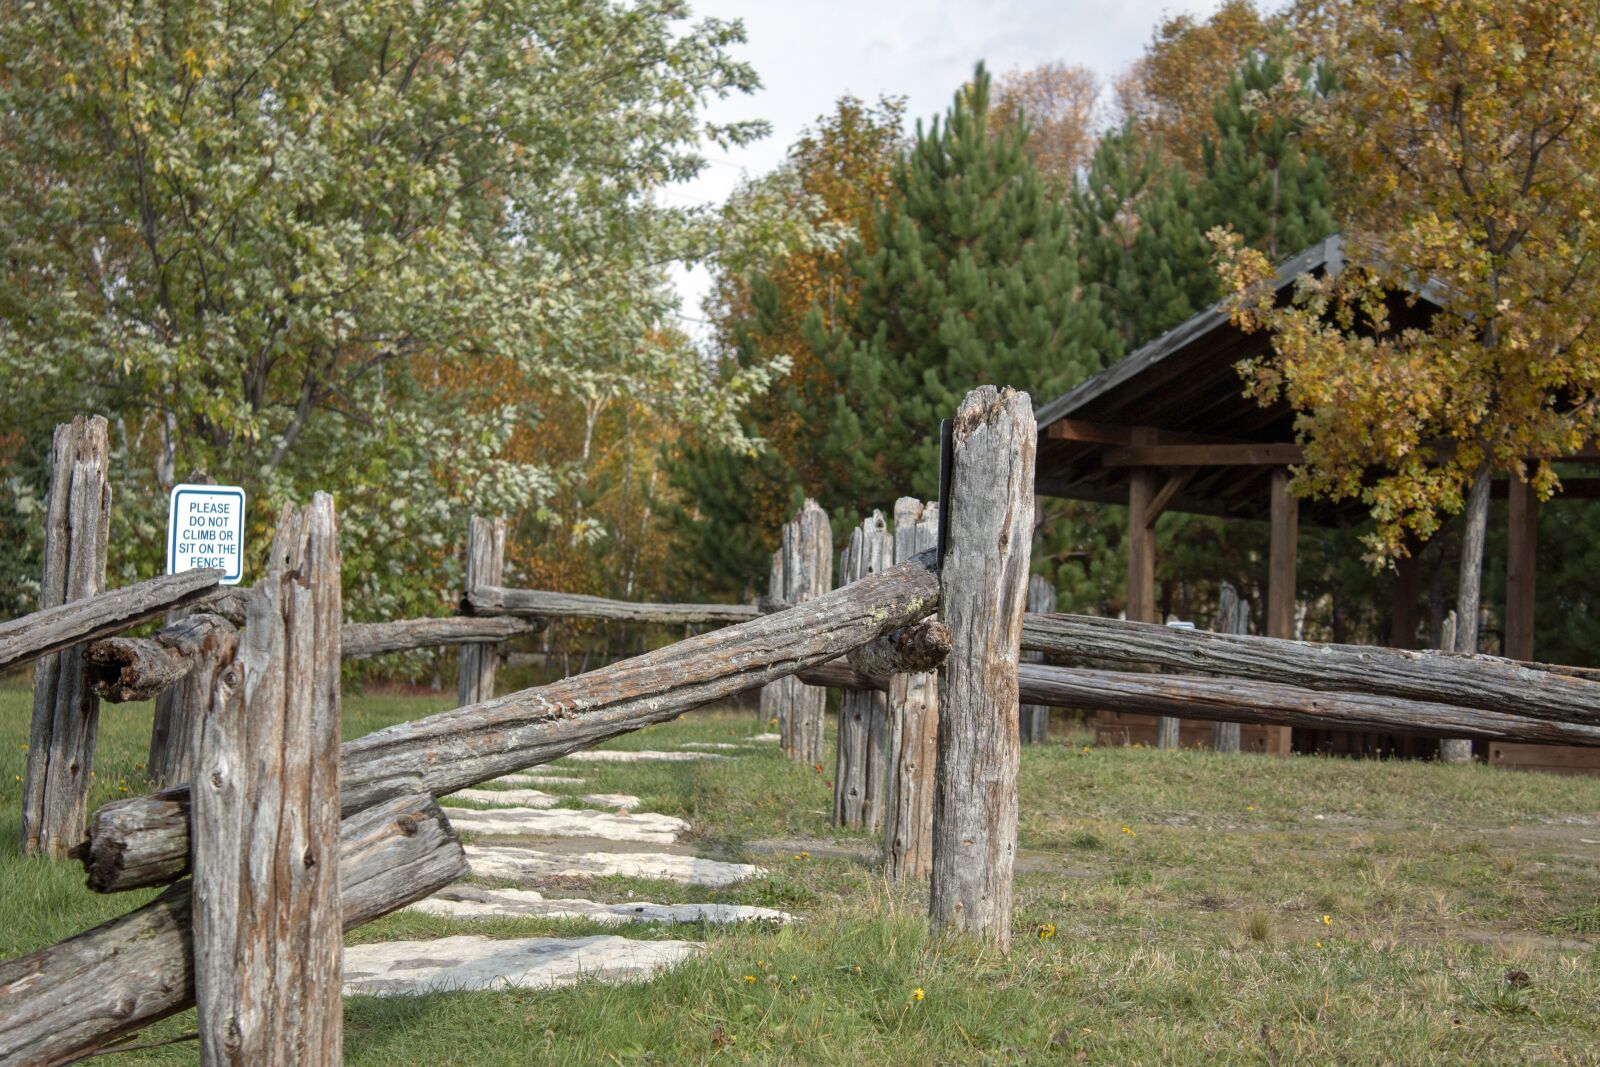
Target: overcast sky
x,y
811,52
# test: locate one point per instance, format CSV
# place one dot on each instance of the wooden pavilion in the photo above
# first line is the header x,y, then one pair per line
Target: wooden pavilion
x,y
1169,428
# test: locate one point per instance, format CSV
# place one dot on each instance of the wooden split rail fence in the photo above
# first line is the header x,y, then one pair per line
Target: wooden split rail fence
x,y
284,838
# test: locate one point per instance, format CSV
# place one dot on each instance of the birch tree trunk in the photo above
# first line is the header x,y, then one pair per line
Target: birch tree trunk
x,y
984,590
912,714
1469,589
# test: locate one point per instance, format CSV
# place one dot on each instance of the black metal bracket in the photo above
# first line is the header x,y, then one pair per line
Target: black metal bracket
x,y
946,461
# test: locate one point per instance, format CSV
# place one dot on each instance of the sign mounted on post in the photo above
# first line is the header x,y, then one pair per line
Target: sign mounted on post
x,y
205,529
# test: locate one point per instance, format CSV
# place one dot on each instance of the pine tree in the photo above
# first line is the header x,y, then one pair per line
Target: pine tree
x,y
1260,178
1141,238
974,281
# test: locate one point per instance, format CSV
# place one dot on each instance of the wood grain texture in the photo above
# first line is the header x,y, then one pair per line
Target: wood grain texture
x,y
912,714
486,555
807,548
265,838
1035,719
186,703
1233,617
984,583
773,701
914,649
361,640
859,764
55,791
137,668
83,993
455,749
1485,682
498,600
1469,592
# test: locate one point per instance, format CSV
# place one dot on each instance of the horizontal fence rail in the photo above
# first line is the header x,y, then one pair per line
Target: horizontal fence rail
x,y
537,603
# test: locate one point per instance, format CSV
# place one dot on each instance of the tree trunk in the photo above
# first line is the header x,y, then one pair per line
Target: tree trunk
x,y
912,716
267,926
857,794
807,573
1469,588
984,579
486,553
66,713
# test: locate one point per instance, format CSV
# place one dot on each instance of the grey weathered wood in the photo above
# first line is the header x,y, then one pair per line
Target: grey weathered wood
x,y
1233,617
55,791
1487,682
228,601
63,626
186,703
535,603
455,749
807,573
837,674
486,557
984,592
859,763
79,995
173,729
265,838
912,714
913,649
773,701
1035,720
1468,594
137,668
364,639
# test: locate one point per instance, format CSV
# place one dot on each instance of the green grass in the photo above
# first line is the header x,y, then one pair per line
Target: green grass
x,y
1172,908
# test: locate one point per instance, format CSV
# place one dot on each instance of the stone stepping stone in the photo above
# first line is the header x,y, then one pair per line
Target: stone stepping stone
x,y
765,737
715,744
534,779
516,864
468,962
646,827
534,798
480,902
642,756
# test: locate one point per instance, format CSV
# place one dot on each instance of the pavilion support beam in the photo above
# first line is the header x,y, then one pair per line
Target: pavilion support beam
x,y
1522,545
1148,495
1285,531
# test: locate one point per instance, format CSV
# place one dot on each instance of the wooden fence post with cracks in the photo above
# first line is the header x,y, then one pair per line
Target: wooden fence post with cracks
x,y
176,722
984,593
859,769
268,928
486,556
1036,717
55,792
912,715
1233,617
774,701
807,574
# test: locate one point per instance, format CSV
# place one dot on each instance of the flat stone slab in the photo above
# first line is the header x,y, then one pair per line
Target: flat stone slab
x,y
642,756
715,744
480,902
534,779
513,863
645,827
467,962
534,798
765,737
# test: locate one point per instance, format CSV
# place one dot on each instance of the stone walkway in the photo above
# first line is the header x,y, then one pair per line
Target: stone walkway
x,y
553,842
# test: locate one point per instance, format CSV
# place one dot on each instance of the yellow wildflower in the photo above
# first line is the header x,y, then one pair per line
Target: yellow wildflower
x,y
1327,920
750,979
916,994
1047,931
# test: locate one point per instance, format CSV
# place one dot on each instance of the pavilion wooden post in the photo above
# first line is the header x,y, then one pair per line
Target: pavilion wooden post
x,y
1282,547
1036,717
1403,605
859,767
66,712
1233,617
913,722
268,927
486,557
984,582
1522,547
807,573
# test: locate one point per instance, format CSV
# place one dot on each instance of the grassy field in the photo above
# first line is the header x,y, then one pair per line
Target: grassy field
x,y
1174,908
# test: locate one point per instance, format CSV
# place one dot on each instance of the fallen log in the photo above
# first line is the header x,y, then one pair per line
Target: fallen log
x,y
455,749
908,650
1268,703
499,600
80,621
364,639
83,993
1488,683
138,668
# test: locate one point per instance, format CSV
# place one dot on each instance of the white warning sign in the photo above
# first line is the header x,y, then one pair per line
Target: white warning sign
x,y
205,529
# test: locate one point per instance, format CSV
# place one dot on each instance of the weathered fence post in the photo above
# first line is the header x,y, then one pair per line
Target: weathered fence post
x,y
176,726
984,588
773,707
486,557
268,928
1036,717
66,712
912,716
859,770
807,573
1233,617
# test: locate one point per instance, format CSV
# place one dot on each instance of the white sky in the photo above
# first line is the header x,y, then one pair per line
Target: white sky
x,y
809,54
